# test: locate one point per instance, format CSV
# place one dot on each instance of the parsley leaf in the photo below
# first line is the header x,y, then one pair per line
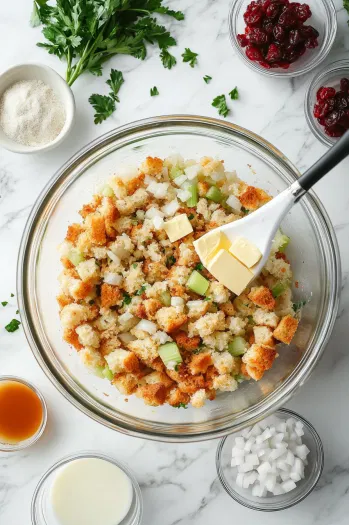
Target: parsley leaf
x,y
191,216
12,326
17,312
234,93
298,306
127,299
178,15
134,265
12,294
4,303
199,266
207,298
221,104
168,60
103,105
181,405
154,91
207,79
170,260
245,211
141,290
190,56
115,82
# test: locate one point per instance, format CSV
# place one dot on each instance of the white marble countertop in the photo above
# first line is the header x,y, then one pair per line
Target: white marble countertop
x,y
179,482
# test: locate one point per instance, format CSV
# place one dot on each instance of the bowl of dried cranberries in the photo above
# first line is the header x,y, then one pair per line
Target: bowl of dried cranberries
x,y
327,102
282,38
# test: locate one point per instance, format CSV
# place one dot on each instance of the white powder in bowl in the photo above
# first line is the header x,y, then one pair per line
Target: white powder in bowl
x,y
30,113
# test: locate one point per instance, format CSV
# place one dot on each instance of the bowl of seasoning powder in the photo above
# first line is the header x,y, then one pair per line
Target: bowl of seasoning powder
x,y
37,108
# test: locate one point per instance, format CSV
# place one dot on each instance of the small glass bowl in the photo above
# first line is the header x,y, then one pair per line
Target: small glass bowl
x,y
324,19
14,447
329,76
313,471
41,510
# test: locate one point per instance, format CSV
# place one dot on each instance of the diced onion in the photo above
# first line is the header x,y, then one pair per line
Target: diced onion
x,y
124,318
234,203
113,257
180,180
171,208
158,222
146,326
158,189
153,212
193,171
183,195
112,278
177,301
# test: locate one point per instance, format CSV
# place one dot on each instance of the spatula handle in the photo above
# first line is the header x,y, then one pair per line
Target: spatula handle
x,y
334,156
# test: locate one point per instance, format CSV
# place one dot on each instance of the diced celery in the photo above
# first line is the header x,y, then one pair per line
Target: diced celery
x,y
99,371
169,353
107,373
237,346
240,378
198,283
75,257
214,194
166,298
281,241
193,200
175,172
280,288
107,191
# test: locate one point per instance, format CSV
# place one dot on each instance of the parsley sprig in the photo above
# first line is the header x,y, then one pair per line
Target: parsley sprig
x,y
190,56
87,33
105,105
234,93
207,79
13,325
154,91
221,104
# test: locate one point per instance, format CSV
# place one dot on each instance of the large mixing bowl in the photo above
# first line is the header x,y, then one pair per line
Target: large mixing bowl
x,y
313,253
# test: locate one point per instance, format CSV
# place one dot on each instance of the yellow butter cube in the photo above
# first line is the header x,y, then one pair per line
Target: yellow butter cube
x,y
230,272
209,245
245,251
178,227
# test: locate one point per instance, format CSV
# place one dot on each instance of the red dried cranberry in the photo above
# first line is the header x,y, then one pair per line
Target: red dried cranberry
x,y
334,131
282,64
321,121
243,40
268,26
295,37
265,64
344,85
258,36
309,32
303,12
341,100
288,18
253,16
344,119
324,108
279,33
254,53
274,53
332,118
311,43
323,93
272,11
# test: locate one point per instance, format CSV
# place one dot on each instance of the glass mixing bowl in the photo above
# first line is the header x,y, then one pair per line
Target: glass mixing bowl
x,y
313,253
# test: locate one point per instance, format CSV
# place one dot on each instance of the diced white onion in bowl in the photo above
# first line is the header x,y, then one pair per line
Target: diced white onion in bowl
x,y
180,180
124,318
112,278
177,301
183,195
158,189
153,212
193,171
146,326
171,208
113,257
234,203
158,223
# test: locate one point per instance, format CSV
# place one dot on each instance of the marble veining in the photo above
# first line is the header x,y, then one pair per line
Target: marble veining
x,y
179,482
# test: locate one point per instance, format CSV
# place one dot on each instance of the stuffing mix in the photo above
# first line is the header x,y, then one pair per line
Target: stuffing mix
x,y
129,300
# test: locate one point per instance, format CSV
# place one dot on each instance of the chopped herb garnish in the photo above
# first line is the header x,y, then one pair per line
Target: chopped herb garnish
x,y
127,299
221,104
244,210
90,302
17,312
299,305
13,325
176,368
181,405
105,105
191,216
4,303
168,60
170,260
134,265
154,91
12,294
199,266
141,290
207,79
234,93
190,56
250,319
207,298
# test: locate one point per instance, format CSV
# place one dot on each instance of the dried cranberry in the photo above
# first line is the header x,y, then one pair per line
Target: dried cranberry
x,y
341,100
243,40
295,37
344,85
268,26
279,33
303,12
254,53
344,119
272,11
282,64
334,131
323,108
288,18
253,16
323,93
258,36
274,53
311,43
321,121
309,32
265,64
332,118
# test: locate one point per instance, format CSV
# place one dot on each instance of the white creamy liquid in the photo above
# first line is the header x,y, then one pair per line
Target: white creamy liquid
x,y
91,491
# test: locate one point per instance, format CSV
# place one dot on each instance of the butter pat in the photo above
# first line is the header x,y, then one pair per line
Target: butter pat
x,y
209,245
245,251
230,272
178,227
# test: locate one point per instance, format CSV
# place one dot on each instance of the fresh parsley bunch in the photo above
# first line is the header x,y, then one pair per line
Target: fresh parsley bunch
x,y
86,33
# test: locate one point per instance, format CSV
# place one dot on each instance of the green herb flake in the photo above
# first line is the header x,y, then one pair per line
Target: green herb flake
x,y
141,290
4,303
154,91
170,261
245,211
103,105
12,294
234,93
134,265
127,299
190,56
191,216
199,267
181,405
12,326
221,104
207,298
168,60
17,312
115,82
299,305
207,79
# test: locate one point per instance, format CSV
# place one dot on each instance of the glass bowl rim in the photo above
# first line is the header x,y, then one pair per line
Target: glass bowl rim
x,y
243,501
9,447
88,454
160,431
317,60
333,67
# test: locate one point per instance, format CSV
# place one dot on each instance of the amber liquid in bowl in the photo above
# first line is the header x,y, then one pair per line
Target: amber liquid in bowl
x,y
21,412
